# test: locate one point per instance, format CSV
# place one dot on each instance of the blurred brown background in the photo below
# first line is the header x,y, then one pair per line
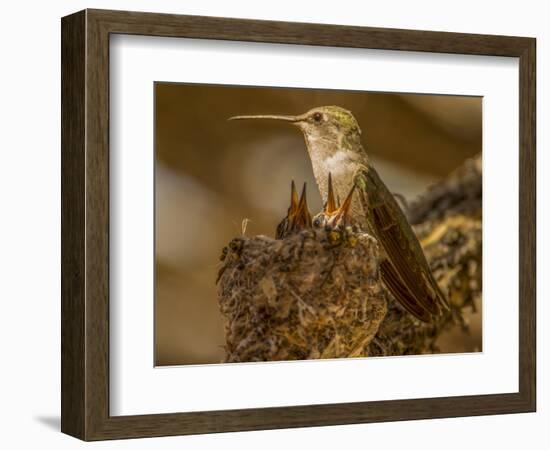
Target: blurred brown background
x,y
211,174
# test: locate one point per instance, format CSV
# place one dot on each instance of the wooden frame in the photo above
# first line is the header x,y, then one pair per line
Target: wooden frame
x,y
85,224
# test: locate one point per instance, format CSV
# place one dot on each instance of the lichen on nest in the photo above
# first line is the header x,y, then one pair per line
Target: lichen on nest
x,y
315,294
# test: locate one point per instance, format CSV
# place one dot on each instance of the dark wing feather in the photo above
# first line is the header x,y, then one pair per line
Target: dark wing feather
x,y
400,292
402,259
404,252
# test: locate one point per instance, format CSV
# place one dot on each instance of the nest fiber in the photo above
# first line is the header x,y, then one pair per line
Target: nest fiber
x,y
315,294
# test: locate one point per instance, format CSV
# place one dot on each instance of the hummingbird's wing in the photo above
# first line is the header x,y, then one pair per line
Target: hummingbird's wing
x,y
400,292
409,278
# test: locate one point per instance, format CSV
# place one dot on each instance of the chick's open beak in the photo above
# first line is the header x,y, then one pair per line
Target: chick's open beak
x,y
342,212
293,209
302,219
330,206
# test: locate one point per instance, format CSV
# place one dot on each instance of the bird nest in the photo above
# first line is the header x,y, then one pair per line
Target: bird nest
x,y
315,294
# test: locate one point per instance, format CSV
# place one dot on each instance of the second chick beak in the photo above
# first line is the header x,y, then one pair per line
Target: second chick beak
x,y
330,205
342,212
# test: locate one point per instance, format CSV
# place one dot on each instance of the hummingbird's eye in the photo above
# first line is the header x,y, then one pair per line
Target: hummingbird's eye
x,y
317,117
317,222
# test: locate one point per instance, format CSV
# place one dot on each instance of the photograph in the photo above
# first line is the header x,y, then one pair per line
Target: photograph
x,y
282,222
305,224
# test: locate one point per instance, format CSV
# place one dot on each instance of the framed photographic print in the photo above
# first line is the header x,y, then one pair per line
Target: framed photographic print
x,y
268,224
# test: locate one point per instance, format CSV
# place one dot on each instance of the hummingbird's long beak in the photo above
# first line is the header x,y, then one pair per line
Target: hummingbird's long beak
x,y
292,119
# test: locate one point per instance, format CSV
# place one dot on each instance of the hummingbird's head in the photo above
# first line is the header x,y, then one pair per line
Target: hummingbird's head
x,y
325,128
329,124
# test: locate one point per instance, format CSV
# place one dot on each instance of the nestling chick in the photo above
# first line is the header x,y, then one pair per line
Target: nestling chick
x,y
298,217
334,217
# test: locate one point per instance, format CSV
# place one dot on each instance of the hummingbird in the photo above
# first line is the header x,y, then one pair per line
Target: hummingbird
x,y
333,141
298,217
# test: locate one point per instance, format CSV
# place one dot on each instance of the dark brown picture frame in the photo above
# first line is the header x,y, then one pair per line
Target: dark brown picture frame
x,y
85,224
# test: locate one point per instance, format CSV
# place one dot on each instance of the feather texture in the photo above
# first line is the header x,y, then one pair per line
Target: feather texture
x,y
406,272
